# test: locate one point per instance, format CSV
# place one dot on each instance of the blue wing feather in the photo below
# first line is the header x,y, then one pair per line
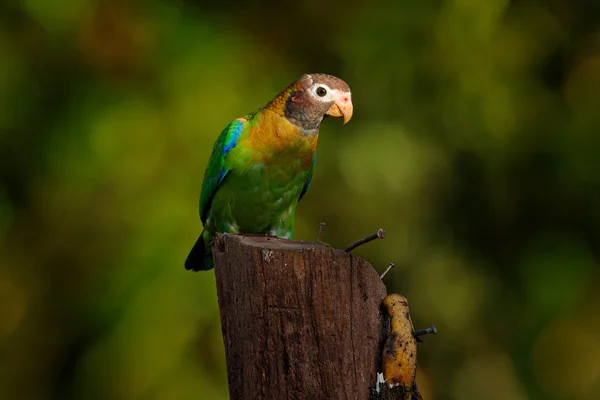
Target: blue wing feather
x,y
216,171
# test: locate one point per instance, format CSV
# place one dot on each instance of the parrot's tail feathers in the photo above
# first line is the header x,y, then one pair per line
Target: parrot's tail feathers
x,y
200,258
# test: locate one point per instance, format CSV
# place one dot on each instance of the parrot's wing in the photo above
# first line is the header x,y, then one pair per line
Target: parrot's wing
x,y
307,184
216,169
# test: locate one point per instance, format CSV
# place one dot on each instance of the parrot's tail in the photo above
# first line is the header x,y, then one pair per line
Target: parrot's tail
x,y
200,257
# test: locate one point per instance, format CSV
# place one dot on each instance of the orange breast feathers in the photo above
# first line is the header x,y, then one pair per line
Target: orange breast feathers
x,y
274,139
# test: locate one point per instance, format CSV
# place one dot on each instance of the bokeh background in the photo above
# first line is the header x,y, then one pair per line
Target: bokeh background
x,y
475,144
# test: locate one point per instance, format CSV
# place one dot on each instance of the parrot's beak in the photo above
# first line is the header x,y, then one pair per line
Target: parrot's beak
x,y
342,108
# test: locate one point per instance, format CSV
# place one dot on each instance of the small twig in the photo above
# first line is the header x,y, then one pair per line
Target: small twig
x,y
387,270
380,234
427,331
321,229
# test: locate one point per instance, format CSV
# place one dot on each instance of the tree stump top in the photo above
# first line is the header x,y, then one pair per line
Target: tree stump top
x,y
300,320
270,242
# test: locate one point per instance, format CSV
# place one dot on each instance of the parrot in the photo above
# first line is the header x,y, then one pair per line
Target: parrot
x,y
262,164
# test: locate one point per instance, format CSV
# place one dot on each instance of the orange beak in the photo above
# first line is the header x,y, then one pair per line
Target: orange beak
x,y
342,108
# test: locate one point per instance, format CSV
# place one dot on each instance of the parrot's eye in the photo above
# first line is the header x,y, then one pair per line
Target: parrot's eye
x,y
321,91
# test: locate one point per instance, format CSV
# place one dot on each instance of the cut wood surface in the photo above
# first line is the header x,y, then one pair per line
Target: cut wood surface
x,y
300,320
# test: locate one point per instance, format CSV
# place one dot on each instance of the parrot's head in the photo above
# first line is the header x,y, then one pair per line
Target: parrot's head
x,y
314,96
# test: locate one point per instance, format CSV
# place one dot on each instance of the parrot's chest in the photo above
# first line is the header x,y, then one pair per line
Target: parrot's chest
x,y
276,165
259,199
260,193
277,179
269,167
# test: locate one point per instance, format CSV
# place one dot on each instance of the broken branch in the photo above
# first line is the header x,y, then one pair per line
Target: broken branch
x,y
380,234
432,330
387,270
321,229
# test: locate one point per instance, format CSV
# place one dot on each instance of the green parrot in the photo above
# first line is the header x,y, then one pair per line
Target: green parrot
x,y
262,164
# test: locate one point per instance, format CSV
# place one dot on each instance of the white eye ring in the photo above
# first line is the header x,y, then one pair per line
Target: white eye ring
x,y
321,91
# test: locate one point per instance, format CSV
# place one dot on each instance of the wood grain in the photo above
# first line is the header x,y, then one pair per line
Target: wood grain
x,y
299,320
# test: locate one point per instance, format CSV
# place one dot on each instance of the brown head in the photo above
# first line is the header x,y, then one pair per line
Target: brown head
x,y
312,97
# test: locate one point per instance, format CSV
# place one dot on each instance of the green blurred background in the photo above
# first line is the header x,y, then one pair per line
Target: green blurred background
x,y
475,143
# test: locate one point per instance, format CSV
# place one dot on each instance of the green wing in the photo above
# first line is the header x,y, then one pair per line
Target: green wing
x,y
312,170
216,170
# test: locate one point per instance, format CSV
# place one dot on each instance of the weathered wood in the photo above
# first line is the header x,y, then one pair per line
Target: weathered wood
x,y
299,320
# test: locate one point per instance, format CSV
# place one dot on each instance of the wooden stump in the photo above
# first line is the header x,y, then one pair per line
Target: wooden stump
x,y
299,320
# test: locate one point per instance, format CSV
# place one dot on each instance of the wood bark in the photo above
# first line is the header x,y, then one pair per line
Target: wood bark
x,y
299,320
